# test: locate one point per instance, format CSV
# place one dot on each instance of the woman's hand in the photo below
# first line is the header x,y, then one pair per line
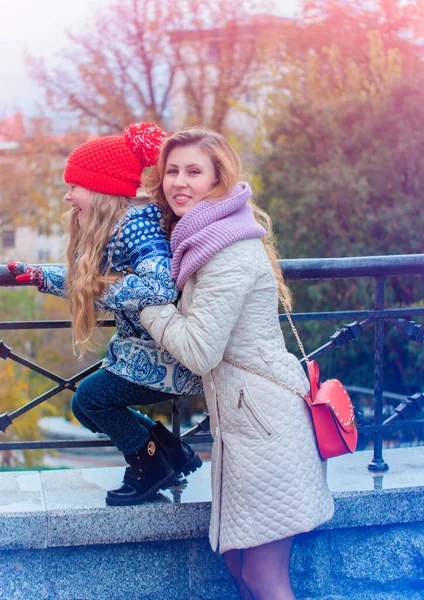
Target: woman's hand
x,y
26,273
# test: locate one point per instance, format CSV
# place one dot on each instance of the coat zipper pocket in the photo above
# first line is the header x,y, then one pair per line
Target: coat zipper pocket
x,y
257,421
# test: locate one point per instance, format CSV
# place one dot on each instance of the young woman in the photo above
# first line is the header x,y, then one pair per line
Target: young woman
x,y
268,482
118,260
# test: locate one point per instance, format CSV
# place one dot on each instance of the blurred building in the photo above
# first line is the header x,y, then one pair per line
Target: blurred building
x,y
31,244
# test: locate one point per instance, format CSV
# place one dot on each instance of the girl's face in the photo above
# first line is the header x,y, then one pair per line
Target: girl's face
x,y
80,199
189,176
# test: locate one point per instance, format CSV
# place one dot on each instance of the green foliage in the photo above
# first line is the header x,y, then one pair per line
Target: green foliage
x,y
14,389
347,180
49,348
343,175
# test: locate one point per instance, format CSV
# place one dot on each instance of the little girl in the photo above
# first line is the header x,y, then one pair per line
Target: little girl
x,y
118,260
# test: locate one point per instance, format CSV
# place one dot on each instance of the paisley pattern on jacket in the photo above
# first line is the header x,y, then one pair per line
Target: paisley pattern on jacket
x,y
140,251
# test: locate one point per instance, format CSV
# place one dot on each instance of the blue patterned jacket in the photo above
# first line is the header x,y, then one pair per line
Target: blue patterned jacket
x,y
140,250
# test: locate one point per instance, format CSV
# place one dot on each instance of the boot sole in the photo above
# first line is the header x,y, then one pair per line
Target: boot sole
x,y
191,466
164,484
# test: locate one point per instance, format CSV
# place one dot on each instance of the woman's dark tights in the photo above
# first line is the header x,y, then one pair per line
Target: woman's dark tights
x,y
262,572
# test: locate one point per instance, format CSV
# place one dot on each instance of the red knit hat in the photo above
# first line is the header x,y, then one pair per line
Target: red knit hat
x,y
113,164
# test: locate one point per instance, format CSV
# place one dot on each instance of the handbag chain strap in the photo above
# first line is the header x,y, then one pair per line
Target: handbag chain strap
x,y
233,362
295,332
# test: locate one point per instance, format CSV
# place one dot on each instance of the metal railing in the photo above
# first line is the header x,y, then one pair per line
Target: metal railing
x,y
379,268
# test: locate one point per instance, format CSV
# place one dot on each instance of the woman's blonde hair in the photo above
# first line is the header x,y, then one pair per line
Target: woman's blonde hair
x,y
228,171
85,280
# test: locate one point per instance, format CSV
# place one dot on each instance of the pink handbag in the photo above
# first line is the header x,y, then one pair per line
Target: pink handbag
x,y
332,415
331,409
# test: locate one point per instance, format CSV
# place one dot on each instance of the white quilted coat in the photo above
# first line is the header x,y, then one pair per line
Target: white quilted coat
x,y
268,481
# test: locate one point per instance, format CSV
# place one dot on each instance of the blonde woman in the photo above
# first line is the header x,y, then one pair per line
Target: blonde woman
x,y
268,482
118,260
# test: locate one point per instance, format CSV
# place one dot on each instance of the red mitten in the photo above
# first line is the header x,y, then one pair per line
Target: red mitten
x,y
27,274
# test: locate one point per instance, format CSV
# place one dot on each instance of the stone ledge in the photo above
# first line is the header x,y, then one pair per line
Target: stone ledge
x,y
63,508
59,541
371,563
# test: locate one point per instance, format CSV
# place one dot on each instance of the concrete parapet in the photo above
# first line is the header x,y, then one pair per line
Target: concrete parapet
x,y
58,539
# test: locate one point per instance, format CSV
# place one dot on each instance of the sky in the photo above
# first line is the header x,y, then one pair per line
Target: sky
x,y
38,27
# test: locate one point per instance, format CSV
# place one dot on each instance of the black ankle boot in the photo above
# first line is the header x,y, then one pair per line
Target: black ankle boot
x,y
177,452
148,472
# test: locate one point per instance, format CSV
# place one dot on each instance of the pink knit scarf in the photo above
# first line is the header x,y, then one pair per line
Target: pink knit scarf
x,y
209,227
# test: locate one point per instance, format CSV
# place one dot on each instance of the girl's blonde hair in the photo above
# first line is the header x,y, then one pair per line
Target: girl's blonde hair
x,y
228,171
85,281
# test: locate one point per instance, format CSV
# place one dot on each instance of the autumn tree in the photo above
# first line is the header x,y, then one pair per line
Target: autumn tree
x,y
12,132
49,348
13,394
170,62
393,18
18,385
343,175
400,25
148,60
346,142
31,182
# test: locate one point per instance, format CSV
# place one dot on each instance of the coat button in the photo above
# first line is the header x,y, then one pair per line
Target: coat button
x,y
166,311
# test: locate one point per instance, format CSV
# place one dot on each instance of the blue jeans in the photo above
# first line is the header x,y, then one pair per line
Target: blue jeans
x,y
101,403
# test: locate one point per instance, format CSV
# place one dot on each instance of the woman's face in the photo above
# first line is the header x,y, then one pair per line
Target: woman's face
x,y
189,176
80,199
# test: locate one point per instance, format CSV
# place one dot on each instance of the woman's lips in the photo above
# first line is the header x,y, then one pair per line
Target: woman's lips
x,y
181,199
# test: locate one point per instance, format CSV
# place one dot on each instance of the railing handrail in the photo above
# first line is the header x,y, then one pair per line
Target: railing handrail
x,y
321,268
353,266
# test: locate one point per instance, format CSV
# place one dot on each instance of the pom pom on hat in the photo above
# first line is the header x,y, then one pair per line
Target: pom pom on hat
x,y
114,164
145,140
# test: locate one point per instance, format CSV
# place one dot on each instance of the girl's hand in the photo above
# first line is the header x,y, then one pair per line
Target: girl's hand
x,y
26,273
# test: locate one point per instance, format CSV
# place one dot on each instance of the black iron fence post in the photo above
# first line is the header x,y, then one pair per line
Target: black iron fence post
x,y
378,463
175,404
